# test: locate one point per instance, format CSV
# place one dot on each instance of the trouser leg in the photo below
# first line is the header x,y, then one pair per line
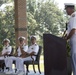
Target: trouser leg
x,y
9,62
6,62
27,59
2,64
19,64
74,63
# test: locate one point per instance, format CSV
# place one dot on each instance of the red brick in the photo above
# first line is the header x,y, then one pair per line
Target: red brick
x,y
20,18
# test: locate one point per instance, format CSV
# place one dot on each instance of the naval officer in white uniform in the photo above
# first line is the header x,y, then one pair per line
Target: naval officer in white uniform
x,y
71,33
21,51
6,51
32,50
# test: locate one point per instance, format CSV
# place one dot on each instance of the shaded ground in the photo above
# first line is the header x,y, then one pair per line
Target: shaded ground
x,y
31,73
31,68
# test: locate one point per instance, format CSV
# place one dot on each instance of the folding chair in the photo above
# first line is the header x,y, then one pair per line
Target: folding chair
x,y
36,62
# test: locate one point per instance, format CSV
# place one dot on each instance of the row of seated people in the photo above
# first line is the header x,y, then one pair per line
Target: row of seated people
x,y
23,53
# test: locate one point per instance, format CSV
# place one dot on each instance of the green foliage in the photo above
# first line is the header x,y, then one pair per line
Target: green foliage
x,y
42,16
5,1
1,47
68,49
7,24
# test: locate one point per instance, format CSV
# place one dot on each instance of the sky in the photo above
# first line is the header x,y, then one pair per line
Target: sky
x,y
61,3
4,5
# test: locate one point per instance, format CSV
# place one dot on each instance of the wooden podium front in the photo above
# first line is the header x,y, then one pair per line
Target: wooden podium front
x,y
55,59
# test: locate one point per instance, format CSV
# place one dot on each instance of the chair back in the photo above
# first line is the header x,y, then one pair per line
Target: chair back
x,y
12,51
39,53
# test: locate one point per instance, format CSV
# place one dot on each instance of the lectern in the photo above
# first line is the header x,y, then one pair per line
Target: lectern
x,y
55,58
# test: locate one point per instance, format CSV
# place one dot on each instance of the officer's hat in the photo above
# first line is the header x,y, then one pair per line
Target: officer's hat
x,y
6,40
32,36
21,38
69,5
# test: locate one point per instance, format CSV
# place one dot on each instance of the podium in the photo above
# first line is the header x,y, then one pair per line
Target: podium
x,y
55,56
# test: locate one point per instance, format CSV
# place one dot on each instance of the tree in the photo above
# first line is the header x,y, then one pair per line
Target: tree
x,y
51,18
7,24
4,1
44,17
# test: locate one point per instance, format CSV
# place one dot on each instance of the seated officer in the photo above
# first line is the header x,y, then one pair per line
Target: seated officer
x,y
6,49
21,51
32,50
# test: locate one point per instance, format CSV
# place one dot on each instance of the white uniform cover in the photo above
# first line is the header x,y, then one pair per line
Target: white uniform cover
x,y
72,25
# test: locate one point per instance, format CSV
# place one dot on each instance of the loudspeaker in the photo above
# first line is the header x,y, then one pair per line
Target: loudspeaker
x,y
55,56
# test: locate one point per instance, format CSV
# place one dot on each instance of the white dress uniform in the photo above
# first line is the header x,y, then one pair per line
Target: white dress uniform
x,y
6,49
71,25
32,48
13,58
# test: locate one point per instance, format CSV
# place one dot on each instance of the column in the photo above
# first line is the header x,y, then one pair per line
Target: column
x,y
20,19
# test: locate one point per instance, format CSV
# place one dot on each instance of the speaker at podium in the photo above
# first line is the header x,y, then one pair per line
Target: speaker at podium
x,y
55,56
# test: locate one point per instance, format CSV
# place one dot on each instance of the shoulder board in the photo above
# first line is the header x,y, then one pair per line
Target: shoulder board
x,y
35,44
24,45
8,46
73,15
31,48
